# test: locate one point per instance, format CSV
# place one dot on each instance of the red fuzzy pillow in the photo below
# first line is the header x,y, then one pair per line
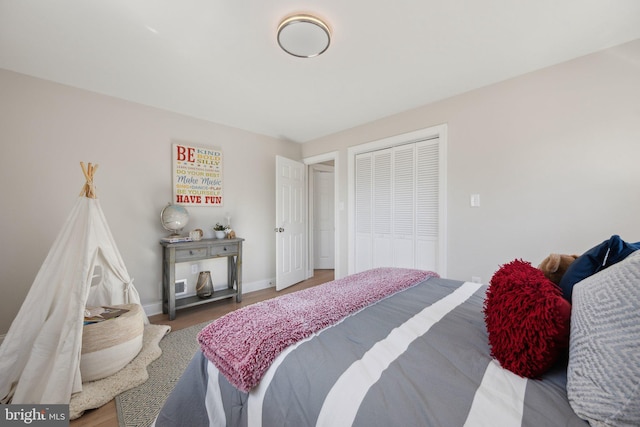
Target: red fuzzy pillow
x,y
527,319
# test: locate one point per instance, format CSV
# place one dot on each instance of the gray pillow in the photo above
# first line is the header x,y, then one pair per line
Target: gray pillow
x,y
603,377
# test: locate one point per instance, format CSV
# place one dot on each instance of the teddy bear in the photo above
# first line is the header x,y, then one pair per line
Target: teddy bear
x,y
555,265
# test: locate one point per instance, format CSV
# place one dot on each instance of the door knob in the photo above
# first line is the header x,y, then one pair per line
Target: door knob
x,y
279,229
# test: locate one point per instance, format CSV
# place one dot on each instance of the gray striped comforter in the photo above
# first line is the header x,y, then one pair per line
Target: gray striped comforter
x,y
417,358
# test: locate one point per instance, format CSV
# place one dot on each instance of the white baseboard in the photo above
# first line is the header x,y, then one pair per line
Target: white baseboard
x,y
156,307
257,286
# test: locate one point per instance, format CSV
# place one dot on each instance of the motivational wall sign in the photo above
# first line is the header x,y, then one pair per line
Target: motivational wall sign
x,y
197,176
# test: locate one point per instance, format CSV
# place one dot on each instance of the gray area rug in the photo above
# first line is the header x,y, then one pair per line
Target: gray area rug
x,y
139,406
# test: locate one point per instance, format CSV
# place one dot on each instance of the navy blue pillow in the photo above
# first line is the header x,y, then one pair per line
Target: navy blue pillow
x,y
595,259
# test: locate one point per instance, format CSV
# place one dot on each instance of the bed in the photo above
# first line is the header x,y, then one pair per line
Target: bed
x,y
416,355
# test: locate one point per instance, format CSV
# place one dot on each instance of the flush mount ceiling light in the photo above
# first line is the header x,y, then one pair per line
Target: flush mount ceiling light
x,y
303,35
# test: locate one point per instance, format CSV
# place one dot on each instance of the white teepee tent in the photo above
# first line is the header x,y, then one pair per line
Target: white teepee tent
x,y
40,356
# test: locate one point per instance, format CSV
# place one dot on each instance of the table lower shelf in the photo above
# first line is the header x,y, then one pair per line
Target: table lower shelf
x,y
196,300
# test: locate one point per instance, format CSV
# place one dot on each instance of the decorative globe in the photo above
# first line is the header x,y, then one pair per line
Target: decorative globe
x,y
174,218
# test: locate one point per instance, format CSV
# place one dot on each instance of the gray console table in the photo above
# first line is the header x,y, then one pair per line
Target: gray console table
x,y
173,253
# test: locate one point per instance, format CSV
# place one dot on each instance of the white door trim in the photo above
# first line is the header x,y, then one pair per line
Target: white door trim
x,y
338,271
439,131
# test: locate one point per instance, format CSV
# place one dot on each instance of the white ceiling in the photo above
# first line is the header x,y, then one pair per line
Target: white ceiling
x,y
219,60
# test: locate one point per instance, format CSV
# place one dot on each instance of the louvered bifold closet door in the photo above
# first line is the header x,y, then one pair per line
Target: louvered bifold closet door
x,y
427,205
382,250
364,212
397,207
404,206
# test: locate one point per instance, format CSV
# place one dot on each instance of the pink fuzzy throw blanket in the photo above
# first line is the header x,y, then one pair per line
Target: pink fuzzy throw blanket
x,y
244,343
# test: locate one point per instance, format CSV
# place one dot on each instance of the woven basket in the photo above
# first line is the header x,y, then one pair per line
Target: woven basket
x,y
110,345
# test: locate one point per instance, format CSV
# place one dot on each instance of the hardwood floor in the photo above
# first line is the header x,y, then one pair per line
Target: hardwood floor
x,y
106,416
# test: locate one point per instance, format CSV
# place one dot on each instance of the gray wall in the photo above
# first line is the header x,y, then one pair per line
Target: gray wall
x,y
553,154
46,129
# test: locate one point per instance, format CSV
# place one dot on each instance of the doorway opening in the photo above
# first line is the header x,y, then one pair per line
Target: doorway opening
x,y
323,243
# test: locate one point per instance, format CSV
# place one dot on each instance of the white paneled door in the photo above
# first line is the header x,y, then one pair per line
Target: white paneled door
x,y
290,222
323,217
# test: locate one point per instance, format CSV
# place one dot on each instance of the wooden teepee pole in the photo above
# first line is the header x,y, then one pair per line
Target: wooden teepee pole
x,y
89,189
